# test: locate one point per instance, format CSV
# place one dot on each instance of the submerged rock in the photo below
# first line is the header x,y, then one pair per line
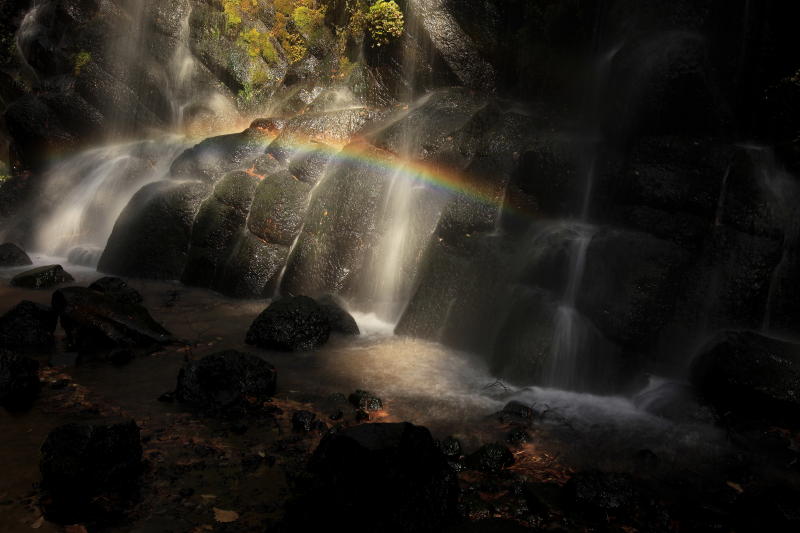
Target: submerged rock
x,y
19,380
380,477
12,255
226,381
290,324
96,322
749,374
303,421
28,326
42,277
117,289
90,470
491,458
340,320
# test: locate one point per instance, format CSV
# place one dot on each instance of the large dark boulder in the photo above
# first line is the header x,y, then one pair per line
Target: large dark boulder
x,y
19,380
252,268
90,470
279,208
12,255
750,375
381,477
226,382
492,457
117,289
28,326
220,220
151,237
290,324
97,322
213,158
340,320
44,277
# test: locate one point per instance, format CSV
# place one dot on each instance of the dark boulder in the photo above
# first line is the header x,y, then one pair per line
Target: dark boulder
x,y
117,289
12,255
750,375
291,324
28,326
303,421
340,320
226,382
152,235
213,158
366,400
381,477
220,220
279,208
42,277
19,380
492,457
97,322
252,269
90,470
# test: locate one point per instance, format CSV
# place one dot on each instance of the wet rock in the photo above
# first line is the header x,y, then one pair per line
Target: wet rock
x,y
303,421
12,255
19,380
28,326
117,289
492,457
366,400
311,167
600,494
630,285
518,436
340,320
95,322
380,477
450,447
90,470
219,222
291,324
342,224
750,375
213,158
152,235
518,411
252,268
226,382
279,208
44,277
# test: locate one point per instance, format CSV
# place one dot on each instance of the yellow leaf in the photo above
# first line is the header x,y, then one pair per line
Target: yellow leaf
x,y
225,517
38,523
735,486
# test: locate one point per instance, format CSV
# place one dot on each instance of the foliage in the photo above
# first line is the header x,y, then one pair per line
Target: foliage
x,y
308,21
259,44
384,21
236,9
80,60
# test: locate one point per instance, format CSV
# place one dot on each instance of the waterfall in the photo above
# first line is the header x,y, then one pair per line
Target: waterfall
x,y
407,219
89,191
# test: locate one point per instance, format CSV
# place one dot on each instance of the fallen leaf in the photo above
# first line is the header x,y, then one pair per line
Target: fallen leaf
x,y
225,517
735,486
38,523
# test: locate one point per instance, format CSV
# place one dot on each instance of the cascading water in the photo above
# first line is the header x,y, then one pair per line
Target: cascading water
x,y
408,216
90,190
